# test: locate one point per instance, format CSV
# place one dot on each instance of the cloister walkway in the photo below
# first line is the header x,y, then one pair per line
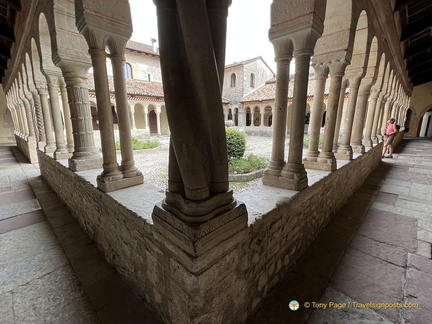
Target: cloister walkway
x,y
376,250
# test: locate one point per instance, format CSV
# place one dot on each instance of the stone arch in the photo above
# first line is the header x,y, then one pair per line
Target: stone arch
x,y
140,117
152,118
360,48
230,114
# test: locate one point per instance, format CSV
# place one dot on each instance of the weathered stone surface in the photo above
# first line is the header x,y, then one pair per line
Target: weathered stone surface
x,y
417,290
367,279
56,297
346,313
20,221
390,228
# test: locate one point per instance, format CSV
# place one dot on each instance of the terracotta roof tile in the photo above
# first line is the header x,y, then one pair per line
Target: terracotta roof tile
x,y
134,87
142,48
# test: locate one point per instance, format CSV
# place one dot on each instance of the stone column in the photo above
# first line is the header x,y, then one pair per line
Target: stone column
x,y
61,151
294,173
111,171
23,118
262,112
85,154
424,124
147,118
67,117
277,160
359,120
378,110
340,112
326,159
386,114
50,146
241,116
128,163
132,118
321,73
345,151
39,117
367,140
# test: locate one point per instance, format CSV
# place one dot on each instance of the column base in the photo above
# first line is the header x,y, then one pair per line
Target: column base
x,y
62,155
193,240
310,159
293,177
374,140
50,148
85,164
344,152
367,142
202,260
325,162
109,186
358,148
201,210
274,168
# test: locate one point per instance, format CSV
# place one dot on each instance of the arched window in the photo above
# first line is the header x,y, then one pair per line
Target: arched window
x,y
233,80
128,71
252,80
149,76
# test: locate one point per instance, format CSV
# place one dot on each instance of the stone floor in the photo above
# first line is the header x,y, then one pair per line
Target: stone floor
x,y
372,263
377,250
50,272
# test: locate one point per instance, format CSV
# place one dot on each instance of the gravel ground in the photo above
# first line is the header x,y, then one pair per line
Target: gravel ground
x,y
153,163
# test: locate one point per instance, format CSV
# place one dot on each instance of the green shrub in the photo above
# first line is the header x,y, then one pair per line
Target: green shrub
x,y
139,145
306,141
236,143
249,163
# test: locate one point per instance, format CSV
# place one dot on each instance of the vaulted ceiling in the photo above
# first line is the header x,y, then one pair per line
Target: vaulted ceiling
x,y
416,20
8,10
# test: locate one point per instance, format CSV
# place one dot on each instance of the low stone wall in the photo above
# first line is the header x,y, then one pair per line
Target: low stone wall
x,y
28,148
223,280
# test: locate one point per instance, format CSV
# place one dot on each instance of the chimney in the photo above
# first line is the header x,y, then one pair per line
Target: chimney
x,y
154,45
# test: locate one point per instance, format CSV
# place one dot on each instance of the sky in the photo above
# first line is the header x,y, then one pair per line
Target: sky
x,y
247,34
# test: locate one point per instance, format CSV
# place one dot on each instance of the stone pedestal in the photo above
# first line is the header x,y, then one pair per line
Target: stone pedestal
x,y
198,291
104,183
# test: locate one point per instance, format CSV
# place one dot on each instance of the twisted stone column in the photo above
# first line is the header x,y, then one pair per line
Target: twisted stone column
x,y
61,151
39,117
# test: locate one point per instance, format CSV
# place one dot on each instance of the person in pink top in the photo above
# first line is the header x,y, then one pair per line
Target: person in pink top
x,y
389,135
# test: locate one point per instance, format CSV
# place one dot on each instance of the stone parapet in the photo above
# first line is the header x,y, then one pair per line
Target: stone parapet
x,y
219,271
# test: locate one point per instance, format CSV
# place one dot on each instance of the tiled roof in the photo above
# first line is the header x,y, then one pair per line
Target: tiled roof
x,y
134,87
142,48
268,91
243,62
